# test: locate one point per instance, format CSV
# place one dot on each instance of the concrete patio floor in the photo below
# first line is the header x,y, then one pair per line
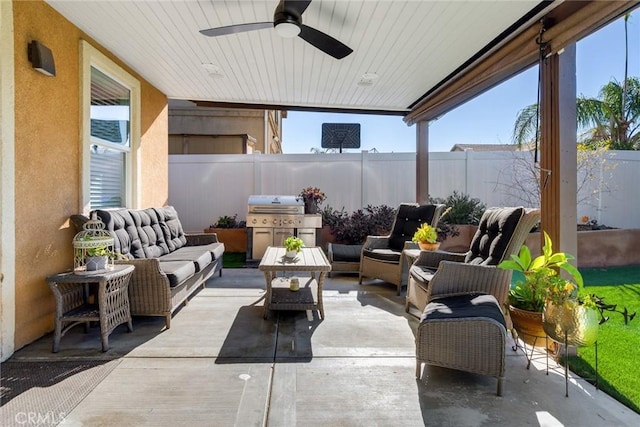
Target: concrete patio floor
x,y
221,364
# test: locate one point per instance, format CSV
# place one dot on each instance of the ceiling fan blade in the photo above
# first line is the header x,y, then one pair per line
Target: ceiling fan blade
x,y
324,42
296,6
238,28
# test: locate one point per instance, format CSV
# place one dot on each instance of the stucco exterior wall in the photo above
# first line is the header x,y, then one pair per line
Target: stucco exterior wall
x,y
47,159
219,121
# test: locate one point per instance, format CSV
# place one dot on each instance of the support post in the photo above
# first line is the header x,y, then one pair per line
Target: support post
x,y
558,150
422,162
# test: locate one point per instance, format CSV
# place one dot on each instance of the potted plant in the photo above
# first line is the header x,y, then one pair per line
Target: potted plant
x,y
313,198
293,245
97,258
231,232
528,298
569,318
426,237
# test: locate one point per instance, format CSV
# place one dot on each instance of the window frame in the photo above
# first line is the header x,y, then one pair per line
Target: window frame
x,y
91,57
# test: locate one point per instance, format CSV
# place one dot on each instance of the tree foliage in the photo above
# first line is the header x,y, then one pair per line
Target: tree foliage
x,y
612,120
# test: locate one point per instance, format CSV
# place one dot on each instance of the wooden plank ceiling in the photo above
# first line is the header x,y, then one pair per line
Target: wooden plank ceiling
x,y
411,46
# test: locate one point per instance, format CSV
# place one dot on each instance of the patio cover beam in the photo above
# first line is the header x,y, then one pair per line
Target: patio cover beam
x,y
566,24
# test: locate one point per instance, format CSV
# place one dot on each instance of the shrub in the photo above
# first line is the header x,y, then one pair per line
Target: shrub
x,y
464,209
353,229
229,222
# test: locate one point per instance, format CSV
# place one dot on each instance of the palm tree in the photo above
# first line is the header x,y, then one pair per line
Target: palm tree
x,y
612,120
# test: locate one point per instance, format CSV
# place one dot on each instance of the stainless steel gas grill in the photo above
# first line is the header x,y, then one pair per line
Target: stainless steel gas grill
x,y
271,219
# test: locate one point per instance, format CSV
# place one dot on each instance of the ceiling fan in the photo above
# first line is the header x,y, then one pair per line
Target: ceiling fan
x,y
287,20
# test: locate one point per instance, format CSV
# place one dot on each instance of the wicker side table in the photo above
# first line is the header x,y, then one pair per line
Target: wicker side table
x,y
74,307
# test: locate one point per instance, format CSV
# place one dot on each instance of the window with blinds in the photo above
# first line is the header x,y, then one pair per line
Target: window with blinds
x,y
110,141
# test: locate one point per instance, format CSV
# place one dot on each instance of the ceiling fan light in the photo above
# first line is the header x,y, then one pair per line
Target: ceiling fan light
x,y
287,29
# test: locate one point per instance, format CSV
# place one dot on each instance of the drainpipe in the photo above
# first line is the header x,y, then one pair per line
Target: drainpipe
x,y
266,132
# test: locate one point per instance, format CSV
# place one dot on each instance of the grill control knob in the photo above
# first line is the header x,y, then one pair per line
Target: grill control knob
x,y
264,221
275,221
254,221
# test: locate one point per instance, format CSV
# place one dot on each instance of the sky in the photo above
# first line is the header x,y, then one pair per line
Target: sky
x,y
486,119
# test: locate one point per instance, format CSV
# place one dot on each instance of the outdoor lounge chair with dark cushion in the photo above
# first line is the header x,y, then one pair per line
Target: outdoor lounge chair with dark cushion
x,y
501,232
382,255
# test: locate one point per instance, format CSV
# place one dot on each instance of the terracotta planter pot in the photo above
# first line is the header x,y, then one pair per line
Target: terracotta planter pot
x,y
579,322
426,246
528,324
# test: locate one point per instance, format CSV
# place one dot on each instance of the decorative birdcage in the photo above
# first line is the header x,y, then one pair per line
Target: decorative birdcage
x,y
92,248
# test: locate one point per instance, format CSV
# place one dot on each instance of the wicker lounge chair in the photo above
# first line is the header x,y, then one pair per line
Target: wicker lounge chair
x,y
501,232
382,255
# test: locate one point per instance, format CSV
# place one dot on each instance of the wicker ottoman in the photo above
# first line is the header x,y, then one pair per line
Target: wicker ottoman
x,y
344,258
465,332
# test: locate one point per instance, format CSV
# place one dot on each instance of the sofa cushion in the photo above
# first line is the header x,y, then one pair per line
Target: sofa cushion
x,y
150,232
177,271
197,254
385,255
493,236
408,219
122,227
216,249
171,227
467,306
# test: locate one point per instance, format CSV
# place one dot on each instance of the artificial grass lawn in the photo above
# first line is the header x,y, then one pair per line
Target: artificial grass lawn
x,y
618,344
234,259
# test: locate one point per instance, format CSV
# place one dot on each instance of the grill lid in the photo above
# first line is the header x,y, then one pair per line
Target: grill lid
x,y
263,200
276,205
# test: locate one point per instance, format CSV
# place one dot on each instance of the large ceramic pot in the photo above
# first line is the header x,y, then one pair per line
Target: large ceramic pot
x,y
426,246
578,322
528,324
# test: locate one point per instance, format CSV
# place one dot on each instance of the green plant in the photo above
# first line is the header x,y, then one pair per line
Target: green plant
x,y
464,209
229,222
103,251
541,279
425,233
293,243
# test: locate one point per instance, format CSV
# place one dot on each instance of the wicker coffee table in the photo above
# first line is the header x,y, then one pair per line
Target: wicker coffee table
x,y
309,296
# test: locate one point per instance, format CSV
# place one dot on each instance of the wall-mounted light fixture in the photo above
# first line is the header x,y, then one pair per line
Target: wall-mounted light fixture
x,y
41,58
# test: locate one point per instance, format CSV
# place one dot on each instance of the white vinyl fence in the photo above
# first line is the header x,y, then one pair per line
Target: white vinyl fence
x,y
205,187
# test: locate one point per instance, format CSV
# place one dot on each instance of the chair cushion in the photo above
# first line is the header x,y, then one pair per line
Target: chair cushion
x,y
199,256
384,255
177,271
408,219
493,236
346,253
468,306
421,274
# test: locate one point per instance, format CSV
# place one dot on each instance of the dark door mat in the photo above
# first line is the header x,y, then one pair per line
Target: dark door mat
x,y
44,392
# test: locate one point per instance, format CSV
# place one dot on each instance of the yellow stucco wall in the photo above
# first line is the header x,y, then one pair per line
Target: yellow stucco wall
x,y
47,159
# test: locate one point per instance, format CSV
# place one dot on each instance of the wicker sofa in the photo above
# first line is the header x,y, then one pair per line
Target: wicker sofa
x,y
170,265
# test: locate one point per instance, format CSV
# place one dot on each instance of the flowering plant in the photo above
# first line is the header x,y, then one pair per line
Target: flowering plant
x,y
313,194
